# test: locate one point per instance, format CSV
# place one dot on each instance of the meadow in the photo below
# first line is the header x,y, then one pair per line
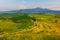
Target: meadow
x,y
20,26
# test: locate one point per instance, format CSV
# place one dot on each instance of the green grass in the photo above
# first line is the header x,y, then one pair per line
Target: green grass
x,y
16,23
30,36
10,23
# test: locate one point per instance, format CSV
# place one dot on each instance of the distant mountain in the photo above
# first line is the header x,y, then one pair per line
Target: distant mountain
x,y
36,10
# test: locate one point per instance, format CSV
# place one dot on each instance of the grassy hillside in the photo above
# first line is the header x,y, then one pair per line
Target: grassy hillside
x,y
20,26
9,23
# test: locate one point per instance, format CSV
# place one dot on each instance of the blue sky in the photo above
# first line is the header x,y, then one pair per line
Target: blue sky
x,y
26,4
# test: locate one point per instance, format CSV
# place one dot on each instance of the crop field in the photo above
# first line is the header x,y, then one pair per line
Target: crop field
x,y
20,26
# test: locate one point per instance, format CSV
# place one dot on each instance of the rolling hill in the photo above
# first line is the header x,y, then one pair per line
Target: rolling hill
x,y
22,27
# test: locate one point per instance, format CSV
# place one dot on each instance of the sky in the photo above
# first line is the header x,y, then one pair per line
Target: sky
x,y
27,4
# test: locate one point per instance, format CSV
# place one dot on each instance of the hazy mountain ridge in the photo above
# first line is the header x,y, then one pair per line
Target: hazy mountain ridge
x,y
35,10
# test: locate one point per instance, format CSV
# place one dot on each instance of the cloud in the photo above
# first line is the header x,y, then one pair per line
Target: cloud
x,y
22,6
8,7
49,4
53,7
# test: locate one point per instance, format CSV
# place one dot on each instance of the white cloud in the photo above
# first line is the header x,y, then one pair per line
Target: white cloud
x,y
53,7
22,6
8,7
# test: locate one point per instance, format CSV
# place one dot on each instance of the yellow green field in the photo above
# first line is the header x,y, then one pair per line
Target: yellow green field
x,y
19,27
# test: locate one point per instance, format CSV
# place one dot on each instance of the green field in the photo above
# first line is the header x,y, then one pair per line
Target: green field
x,y
20,26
